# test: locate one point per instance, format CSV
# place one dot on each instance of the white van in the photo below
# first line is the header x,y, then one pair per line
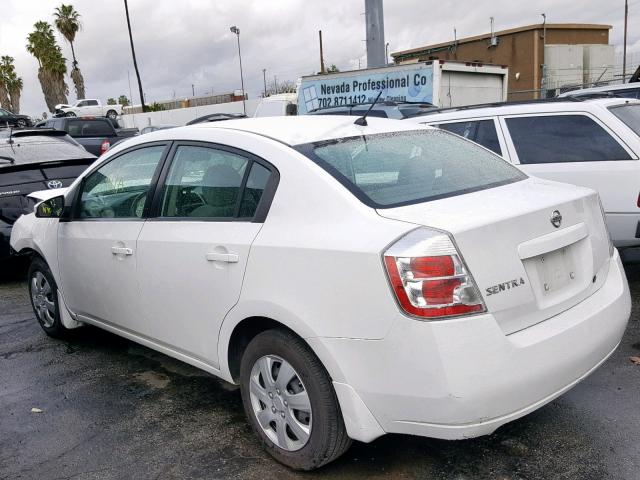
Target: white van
x,y
280,105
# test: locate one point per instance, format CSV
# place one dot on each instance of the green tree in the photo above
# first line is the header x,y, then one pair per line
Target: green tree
x,y
67,21
333,69
42,44
123,100
10,85
111,101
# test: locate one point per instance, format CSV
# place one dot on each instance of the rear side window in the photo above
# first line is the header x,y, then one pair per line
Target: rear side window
x,y
394,169
89,128
482,132
562,138
629,114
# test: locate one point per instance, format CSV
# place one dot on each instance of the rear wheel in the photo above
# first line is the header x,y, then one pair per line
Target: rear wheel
x,y
290,402
112,114
43,292
21,123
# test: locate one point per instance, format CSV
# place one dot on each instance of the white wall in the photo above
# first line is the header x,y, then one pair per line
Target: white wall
x,y
181,116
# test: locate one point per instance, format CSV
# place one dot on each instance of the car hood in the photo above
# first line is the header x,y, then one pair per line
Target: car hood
x,y
62,105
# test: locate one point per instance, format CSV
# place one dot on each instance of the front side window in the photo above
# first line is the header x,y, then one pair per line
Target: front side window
x,y
3,113
629,114
119,189
393,169
482,132
562,138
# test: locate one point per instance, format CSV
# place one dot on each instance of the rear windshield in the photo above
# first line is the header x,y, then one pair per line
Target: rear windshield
x,y
629,114
89,128
394,169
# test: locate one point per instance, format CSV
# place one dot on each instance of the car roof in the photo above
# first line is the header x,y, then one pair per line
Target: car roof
x,y
35,149
297,130
605,88
558,105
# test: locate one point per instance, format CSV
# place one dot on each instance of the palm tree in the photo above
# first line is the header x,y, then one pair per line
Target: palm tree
x,y
41,43
10,84
67,21
135,62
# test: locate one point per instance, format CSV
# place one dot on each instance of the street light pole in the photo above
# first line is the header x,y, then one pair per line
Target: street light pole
x,y
624,49
236,30
264,79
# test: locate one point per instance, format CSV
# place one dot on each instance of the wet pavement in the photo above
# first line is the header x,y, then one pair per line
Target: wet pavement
x,y
112,409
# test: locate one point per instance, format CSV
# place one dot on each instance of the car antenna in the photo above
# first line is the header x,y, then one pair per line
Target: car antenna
x,y
362,121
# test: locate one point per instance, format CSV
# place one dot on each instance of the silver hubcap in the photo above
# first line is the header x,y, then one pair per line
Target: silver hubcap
x,y
42,296
280,403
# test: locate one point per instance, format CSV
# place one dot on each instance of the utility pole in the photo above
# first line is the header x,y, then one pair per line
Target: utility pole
x,y
133,54
321,56
236,31
624,49
543,83
264,79
275,82
193,91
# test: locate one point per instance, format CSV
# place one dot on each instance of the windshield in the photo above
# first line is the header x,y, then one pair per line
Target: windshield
x,y
629,114
401,168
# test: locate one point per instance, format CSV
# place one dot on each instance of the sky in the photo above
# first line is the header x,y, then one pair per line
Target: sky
x,y
188,42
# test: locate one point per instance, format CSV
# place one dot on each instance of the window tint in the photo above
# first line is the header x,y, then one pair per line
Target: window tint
x,y
479,131
92,102
89,128
256,183
393,169
119,189
562,138
203,183
629,114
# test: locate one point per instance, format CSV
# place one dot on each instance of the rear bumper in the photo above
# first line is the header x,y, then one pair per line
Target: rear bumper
x,y
624,229
464,377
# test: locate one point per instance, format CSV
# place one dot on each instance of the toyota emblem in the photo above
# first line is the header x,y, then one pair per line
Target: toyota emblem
x,y
54,184
556,219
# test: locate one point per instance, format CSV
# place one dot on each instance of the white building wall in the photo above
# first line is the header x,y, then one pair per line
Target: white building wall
x,y
181,116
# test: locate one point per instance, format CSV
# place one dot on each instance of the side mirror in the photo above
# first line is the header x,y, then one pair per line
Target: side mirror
x,y
51,208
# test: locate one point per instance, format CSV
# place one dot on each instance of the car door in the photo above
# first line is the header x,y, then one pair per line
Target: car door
x,y
93,108
97,249
208,209
577,148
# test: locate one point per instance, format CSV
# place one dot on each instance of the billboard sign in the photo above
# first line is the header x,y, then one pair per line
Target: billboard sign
x,y
412,83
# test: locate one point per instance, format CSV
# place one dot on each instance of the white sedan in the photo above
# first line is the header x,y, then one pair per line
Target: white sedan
x,y
354,279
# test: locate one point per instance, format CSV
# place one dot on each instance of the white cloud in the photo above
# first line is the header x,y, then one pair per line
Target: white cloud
x,y
179,43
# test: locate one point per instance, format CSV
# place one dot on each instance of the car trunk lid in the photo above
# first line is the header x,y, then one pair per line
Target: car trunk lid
x,y
529,263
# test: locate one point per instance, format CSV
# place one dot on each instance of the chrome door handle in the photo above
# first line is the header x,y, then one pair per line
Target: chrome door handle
x,y
122,251
222,257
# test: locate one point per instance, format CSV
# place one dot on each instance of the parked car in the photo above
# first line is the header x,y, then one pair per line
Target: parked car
x,y
154,128
354,280
594,143
216,117
8,119
97,135
88,107
32,160
385,109
625,90
280,105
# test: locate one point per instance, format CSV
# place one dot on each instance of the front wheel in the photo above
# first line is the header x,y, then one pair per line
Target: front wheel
x,y
21,123
69,114
112,114
290,402
44,299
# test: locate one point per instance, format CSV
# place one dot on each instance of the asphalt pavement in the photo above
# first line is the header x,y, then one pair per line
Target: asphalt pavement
x,y
111,409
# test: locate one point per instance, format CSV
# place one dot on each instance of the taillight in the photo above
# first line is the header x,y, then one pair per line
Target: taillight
x,y
104,146
429,277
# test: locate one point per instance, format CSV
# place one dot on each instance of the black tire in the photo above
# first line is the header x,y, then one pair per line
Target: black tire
x,y
328,438
112,114
55,328
69,114
21,123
